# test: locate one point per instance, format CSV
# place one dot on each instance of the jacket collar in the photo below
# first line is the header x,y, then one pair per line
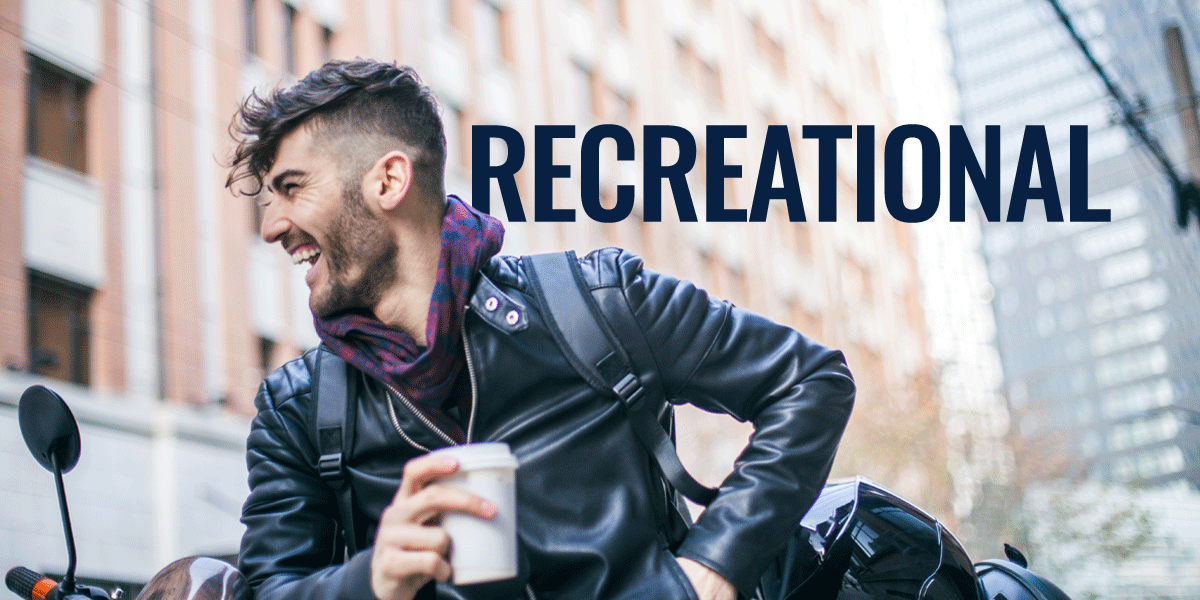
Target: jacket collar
x,y
497,308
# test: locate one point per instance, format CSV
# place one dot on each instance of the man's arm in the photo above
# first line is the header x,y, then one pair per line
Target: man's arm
x,y
797,393
290,547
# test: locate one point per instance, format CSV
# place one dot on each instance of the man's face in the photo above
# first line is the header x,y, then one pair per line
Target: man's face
x,y
325,223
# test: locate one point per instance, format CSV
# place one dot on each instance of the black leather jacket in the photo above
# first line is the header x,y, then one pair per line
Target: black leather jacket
x,y
593,518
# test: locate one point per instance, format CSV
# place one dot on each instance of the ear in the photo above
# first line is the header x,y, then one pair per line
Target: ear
x,y
389,181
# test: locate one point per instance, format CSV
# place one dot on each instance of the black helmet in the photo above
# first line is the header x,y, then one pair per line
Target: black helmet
x,y
1010,579
860,541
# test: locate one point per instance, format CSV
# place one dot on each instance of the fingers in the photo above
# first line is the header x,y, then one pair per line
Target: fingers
x,y
398,574
431,501
409,548
421,471
405,557
394,565
415,538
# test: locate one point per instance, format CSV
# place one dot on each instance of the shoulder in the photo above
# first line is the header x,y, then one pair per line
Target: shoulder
x,y
289,384
606,267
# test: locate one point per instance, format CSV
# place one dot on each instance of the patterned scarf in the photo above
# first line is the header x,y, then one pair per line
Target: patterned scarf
x,y
425,376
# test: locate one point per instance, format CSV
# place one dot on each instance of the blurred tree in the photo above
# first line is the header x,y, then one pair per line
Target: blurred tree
x,y
1075,531
896,438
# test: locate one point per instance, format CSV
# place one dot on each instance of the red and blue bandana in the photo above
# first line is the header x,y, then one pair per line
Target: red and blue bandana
x,y
426,376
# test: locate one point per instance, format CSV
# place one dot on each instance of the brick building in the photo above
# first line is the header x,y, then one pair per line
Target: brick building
x,y
132,281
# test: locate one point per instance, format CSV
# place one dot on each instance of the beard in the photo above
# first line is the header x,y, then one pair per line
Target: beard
x,y
360,257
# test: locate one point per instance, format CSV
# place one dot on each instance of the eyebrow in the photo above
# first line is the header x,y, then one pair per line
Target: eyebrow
x,y
277,181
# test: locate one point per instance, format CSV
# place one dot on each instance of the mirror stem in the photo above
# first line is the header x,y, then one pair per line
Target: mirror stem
x,y
68,582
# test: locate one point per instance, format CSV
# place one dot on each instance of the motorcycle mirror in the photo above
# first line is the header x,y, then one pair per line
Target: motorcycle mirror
x,y
49,428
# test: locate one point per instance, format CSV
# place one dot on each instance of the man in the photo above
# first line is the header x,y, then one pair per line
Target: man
x,y
448,347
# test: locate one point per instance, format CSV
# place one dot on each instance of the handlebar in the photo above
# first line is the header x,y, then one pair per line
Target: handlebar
x,y
30,585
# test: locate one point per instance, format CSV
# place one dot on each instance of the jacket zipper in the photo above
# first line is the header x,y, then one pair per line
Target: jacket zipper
x,y
421,417
471,377
396,422
470,421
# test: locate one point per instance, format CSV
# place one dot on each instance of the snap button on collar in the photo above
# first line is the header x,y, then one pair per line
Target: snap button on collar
x,y
491,303
512,317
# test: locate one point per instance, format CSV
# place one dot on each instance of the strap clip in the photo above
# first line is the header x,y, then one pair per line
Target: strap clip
x,y
330,467
630,390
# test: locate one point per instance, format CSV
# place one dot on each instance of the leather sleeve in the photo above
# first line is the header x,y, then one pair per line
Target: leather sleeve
x,y
797,393
291,546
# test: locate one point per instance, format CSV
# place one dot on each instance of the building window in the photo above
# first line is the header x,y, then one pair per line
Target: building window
x,y
583,91
613,14
685,61
771,50
710,84
58,329
289,38
258,209
266,355
491,34
616,107
57,115
438,16
458,142
326,44
251,27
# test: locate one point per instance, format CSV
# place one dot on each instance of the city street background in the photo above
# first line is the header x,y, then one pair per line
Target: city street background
x,y
1032,382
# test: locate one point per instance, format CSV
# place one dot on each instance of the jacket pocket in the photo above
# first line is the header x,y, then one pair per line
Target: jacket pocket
x,y
681,578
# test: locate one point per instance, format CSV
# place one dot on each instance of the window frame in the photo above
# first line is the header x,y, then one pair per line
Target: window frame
x,y
36,69
79,300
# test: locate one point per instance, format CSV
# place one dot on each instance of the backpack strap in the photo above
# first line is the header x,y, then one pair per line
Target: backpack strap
x,y
597,353
336,404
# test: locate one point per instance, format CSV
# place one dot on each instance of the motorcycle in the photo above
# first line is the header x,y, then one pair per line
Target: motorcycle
x,y
859,541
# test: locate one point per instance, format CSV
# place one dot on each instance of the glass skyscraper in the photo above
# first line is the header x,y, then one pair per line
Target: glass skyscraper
x,y
1098,324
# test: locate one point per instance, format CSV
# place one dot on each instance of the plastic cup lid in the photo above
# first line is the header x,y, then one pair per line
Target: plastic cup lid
x,y
486,455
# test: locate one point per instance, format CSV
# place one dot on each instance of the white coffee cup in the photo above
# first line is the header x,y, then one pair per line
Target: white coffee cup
x,y
483,550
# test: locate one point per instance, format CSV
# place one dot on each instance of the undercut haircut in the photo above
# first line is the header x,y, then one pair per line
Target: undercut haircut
x,y
358,109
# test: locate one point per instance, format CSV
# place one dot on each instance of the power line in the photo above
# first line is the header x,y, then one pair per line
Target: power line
x,y
1187,194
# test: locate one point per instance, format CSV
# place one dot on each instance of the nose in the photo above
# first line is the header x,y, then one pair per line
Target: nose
x,y
274,222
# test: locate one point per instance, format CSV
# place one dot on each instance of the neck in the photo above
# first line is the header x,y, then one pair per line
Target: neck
x,y
406,305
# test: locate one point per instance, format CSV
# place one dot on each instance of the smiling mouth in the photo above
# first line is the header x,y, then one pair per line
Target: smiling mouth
x,y
307,255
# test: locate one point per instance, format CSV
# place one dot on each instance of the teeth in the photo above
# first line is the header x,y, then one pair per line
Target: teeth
x,y
305,256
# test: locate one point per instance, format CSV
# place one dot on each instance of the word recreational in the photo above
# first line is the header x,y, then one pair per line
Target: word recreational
x,y
964,164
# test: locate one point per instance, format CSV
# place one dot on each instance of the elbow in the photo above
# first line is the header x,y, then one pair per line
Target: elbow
x,y
840,392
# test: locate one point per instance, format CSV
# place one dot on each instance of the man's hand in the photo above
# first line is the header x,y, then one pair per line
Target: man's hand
x,y
411,547
707,583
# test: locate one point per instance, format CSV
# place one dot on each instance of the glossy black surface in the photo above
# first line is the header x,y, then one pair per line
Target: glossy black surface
x,y
49,428
197,578
1011,580
860,541
895,548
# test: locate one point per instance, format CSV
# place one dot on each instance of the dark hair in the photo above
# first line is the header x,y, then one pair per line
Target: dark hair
x,y
361,97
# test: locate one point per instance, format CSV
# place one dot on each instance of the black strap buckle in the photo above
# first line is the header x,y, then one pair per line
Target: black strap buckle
x,y
630,390
330,467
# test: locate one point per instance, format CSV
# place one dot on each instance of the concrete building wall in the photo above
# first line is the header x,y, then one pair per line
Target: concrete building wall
x,y
154,482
